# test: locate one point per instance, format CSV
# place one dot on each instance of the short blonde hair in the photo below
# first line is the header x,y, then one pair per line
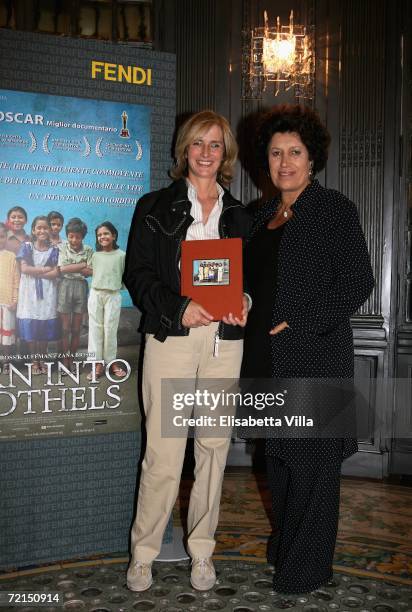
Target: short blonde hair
x,y
196,126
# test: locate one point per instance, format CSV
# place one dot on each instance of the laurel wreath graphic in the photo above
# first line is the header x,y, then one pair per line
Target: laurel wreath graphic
x,y
46,144
139,154
98,151
33,145
88,147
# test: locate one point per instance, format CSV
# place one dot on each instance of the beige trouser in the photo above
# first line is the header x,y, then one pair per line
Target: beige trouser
x,y
104,314
188,357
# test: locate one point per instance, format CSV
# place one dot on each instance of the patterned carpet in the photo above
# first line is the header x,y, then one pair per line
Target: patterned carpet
x,y
375,528
373,550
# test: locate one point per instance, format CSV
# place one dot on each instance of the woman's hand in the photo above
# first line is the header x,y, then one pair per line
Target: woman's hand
x,y
231,320
278,328
196,316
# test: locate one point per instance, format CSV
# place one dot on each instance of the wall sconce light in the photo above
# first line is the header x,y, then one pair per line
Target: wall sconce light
x,y
284,56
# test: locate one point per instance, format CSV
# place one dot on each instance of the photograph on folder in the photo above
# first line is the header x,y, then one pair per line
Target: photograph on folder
x,y
211,273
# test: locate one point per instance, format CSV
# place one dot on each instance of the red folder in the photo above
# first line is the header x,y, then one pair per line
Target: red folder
x,y
211,274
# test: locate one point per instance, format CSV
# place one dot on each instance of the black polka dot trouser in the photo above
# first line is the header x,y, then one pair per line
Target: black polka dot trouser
x,y
305,500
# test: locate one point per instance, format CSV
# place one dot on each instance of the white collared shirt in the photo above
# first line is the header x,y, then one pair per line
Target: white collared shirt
x,y
210,230
199,230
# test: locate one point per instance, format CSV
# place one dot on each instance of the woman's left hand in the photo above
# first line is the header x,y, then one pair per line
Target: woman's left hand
x,y
278,328
232,320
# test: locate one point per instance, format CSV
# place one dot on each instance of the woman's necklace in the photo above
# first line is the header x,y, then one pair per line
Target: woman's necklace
x,y
283,214
285,210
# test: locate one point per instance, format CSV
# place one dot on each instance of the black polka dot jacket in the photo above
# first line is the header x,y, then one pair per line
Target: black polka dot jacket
x,y
323,276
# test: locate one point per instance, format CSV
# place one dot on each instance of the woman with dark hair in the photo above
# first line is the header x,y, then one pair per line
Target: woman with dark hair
x,y
182,340
308,270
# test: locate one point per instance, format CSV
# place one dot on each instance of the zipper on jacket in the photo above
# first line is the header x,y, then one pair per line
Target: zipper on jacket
x,y
186,302
178,252
180,315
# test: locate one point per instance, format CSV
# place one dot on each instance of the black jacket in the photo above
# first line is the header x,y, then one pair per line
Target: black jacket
x,y
152,274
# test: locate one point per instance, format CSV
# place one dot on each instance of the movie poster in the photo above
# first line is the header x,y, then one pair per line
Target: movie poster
x,y
67,167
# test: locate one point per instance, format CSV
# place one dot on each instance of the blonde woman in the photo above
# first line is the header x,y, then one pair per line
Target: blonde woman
x,y
181,338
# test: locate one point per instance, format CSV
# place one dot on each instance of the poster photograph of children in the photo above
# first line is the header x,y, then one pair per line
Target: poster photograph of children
x,y
211,272
68,190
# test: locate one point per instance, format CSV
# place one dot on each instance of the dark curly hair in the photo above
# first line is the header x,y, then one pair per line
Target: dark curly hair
x,y
294,118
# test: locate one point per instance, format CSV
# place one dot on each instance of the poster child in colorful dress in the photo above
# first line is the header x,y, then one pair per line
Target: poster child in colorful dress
x,y
105,300
37,320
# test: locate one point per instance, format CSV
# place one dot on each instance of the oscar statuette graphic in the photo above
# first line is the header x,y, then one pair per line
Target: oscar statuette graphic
x,y
124,132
